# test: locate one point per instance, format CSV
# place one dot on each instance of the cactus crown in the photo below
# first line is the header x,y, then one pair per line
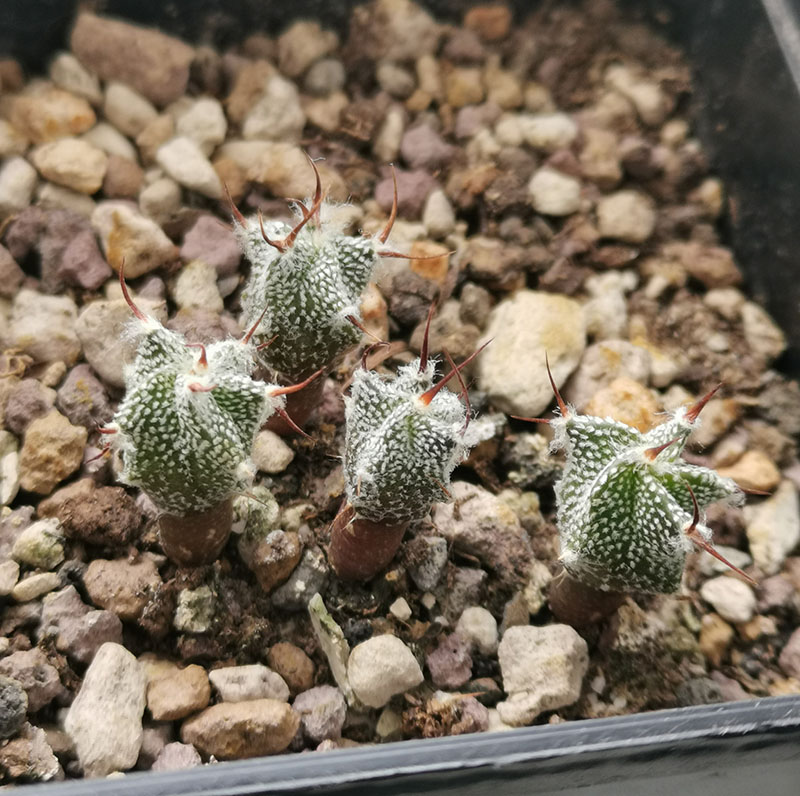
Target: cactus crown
x,y
186,425
310,278
404,438
628,505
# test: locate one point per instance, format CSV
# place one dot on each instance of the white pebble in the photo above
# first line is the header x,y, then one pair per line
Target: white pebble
x,y
127,110
185,162
196,286
732,598
381,667
270,453
400,609
67,72
106,137
277,115
17,181
479,627
204,122
438,216
548,131
554,193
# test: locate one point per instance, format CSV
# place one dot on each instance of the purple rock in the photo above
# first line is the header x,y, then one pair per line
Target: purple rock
x,y
11,275
423,148
83,398
789,659
471,118
464,46
413,188
78,629
450,664
28,400
82,263
177,756
212,242
322,712
23,232
473,717
61,229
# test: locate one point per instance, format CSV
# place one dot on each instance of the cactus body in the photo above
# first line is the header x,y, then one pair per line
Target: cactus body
x,y
625,507
399,450
186,425
309,290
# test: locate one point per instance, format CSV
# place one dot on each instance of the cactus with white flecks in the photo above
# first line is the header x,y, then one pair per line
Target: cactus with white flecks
x,y
186,426
404,437
629,507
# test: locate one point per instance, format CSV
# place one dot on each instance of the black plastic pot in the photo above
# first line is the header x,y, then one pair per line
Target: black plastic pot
x,y
746,59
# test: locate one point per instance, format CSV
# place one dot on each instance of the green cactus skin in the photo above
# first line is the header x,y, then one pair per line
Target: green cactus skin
x,y
399,450
186,425
626,501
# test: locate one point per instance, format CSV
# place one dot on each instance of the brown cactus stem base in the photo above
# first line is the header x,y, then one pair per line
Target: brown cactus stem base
x,y
576,604
359,548
299,406
197,538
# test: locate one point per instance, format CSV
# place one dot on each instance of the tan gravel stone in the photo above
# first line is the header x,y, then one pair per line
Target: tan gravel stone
x,y
73,163
52,449
122,586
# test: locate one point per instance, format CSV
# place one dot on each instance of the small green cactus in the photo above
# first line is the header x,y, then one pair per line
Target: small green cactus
x,y
186,425
404,436
310,278
628,505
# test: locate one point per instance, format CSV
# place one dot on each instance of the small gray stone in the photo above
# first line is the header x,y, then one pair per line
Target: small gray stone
x,y
381,667
427,562
309,578
83,399
177,756
542,668
732,598
31,669
13,706
324,77
105,720
322,712
28,400
423,148
253,681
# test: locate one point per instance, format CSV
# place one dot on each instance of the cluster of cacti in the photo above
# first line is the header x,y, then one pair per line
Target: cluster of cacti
x,y
629,507
404,437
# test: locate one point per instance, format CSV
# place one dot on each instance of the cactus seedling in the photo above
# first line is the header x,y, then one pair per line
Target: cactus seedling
x,y
310,278
629,509
185,429
404,437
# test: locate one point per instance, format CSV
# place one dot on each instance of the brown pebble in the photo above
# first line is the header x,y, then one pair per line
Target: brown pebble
x,y
490,22
291,663
122,586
